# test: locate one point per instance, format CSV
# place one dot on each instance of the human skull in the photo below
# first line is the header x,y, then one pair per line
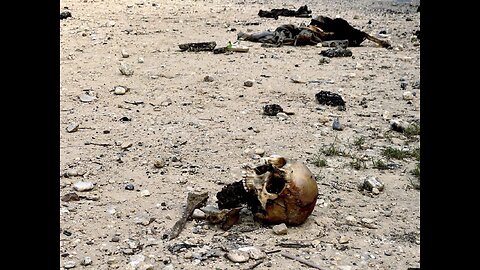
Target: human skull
x,y
286,190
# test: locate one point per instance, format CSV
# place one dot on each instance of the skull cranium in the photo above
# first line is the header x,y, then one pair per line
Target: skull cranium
x,y
286,190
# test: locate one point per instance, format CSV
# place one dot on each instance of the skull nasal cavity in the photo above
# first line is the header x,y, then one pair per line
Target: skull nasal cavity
x,y
275,185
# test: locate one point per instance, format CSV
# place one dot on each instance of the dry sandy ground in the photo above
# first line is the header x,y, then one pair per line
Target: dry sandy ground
x,y
203,132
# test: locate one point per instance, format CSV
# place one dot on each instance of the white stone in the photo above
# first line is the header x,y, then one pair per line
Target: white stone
x,y
238,256
407,95
280,229
145,193
83,186
120,90
253,252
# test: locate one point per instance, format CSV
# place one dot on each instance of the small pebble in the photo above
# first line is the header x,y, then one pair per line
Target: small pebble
x,y
254,253
125,69
238,256
71,173
115,239
343,240
125,54
282,116
259,151
198,214
208,78
336,124
86,261
324,60
72,127
129,187
145,193
407,95
83,186
159,163
280,229
126,145
86,98
350,220
120,90
69,197
248,83
141,60
372,182
69,264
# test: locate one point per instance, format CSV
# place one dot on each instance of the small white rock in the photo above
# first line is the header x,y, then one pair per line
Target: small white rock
x,y
83,186
86,261
259,151
280,229
136,259
126,145
120,90
198,214
387,115
145,193
350,220
282,116
125,54
238,256
69,264
254,253
141,60
125,69
407,95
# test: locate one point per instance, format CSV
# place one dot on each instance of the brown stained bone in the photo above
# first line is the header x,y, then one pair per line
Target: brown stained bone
x,y
194,201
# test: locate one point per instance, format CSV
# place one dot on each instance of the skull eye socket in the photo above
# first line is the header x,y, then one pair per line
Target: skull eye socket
x,y
275,184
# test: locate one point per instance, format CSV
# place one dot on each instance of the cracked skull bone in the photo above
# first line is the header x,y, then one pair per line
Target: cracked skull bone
x,y
286,190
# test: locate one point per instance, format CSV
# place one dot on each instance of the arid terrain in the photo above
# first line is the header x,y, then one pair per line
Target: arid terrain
x,y
129,156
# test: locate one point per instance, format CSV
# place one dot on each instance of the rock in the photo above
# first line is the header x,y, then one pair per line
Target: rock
x,y
336,52
129,187
238,256
208,78
407,95
387,115
159,163
375,191
72,196
120,90
198,214
126,145
83,186
343,240
71,173
115,239
86,98
259,151
253,252
140,60
372,182
69,264
72,127
272,109
344,267
145,193
86,261
336,124
65,14
397,125
280,229
125,54
125,69
248,83
324,60
136,260
351,220
282,116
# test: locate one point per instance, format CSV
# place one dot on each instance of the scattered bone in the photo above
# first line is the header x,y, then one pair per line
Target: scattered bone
x,y
193,201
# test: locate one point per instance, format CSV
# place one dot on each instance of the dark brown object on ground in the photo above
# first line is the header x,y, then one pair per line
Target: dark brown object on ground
x,y
302,12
